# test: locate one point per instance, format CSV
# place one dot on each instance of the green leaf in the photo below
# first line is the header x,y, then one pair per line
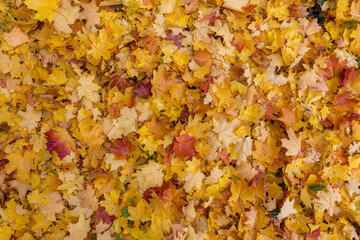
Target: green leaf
x,y
125,212
316,187
320,2
357,205
118,238
351,24
358,62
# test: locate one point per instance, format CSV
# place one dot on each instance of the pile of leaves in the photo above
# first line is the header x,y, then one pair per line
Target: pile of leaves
x,y
179,119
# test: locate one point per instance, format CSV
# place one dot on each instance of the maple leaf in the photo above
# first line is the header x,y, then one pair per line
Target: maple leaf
x,y
21,187
288,117
45,8
225,130
144,90
127,121
88,198
60,141
54,205
57,77
22,163
267,151
251,217
91,134
235,5
287,209
149,175
184,146
67,14
353,186
15,37
293,144
90,13
141,212
105,235
214,176
193,180
30,117
349,75
103,215
88,88
119,82
241,190
158,128
327,200
162,82
202,57
122,147
79,230
172,199
175,38
311,79
102,45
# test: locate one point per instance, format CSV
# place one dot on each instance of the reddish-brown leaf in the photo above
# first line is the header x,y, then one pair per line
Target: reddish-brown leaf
x,y
143,90
119,82
60,141
103,215
350,73
175,38
184,146
122,147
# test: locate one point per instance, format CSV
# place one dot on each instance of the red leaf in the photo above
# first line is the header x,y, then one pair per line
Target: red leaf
x,y
175,38
184,116
184,146
60,141
122,147
313,236
119,82
224,155
344,99
351,117
144,90
168,153
333,69
158,190
212,18
103,215
350,73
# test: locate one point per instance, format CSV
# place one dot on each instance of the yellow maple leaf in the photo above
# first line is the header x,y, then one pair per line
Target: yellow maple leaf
x,y
67,15
79,230
267,151
54,205
46,9
226,130
40,223
242,190
22,163
149,175
91,133
293,144
287,209
88,88
30,117
327,200
141,212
